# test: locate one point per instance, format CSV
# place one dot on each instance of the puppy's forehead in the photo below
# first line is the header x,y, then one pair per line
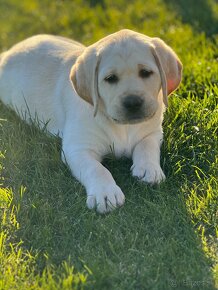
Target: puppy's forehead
x,y
127,53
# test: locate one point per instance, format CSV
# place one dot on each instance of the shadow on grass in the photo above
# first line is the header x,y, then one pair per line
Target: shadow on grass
x,y
199,14
150,243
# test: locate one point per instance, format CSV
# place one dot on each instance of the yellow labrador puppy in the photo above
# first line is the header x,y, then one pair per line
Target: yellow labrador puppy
x,y
111,94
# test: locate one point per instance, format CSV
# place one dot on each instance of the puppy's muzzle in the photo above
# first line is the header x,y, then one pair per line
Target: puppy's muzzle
x,y
133,105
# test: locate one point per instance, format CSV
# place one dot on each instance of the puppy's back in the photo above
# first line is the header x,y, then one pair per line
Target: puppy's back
x,y
34,72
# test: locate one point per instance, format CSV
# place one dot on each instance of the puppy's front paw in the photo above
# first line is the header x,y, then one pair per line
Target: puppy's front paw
x,y
105,198
150,173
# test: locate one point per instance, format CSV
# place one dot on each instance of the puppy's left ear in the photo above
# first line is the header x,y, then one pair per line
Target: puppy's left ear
x,y
170,67
84,76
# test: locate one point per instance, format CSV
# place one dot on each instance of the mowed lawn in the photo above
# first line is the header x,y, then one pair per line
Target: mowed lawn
x,y
164,237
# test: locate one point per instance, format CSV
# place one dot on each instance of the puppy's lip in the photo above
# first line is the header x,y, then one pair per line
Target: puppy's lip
x,y
133,120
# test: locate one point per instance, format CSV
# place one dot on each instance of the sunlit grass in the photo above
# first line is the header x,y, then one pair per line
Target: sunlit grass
x,y
18,267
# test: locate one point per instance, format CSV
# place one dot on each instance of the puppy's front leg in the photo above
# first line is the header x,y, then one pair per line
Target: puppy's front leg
x,y
102,191
146,159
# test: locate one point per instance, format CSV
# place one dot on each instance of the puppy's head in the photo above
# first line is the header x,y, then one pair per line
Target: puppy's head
x,y
124,73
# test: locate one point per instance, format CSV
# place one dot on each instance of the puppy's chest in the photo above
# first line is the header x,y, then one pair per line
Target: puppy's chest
x,y
122,141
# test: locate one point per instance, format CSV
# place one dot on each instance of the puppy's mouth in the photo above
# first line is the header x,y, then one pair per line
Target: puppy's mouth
x,y
133,119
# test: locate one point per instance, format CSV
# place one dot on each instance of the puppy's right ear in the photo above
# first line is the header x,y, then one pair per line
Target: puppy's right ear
x,y
84,76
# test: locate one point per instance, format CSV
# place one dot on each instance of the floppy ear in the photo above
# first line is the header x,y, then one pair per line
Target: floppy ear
x,y
170,67
84,76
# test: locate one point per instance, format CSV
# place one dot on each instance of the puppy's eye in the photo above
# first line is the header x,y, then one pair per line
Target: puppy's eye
x,y
143,73
112,79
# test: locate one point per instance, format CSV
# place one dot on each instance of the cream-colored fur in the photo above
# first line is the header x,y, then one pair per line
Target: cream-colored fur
x,y
68,86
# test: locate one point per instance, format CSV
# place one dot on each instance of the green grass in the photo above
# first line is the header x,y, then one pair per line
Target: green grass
x,y
165,237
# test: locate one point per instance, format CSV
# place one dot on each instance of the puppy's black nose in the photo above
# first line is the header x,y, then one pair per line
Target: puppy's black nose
x,y
133,103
